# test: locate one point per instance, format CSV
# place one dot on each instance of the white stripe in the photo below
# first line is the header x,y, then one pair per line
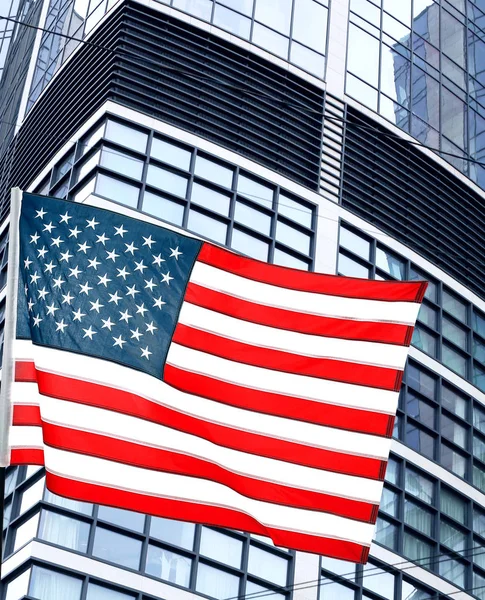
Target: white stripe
x,y
299,386
105,422
144,481
29,394
370,353
306,302
22,436
86,368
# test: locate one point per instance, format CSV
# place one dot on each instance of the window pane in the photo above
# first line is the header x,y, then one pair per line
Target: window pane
x,y
161,207
31,495
479,448
51,585
431,290
257,192
479,477
479,418
421,381
213,171
479,377
418,517
199,8
267,565
453,570
453,460
415,548
292,237
389,502
26,532
211,199
420,440
221,547
379,581
307,59
7,511
330,590
232,21
166,180
455,361
339,567
210,228
351,268
125,518
363,44
423,340
386,534
168,565
121,163
254,588
275,14
117,190
10,481
390,263
355,243
92,139
454,306
64,531
216,583
428,315
479,521
453,431
175,532
117,548
82,507
454,402
478,322
252,218
419,486
452,505
454,333
126,136
392,471
409,591
171,154
99,592
452,537
248,244
17,588
310,24
287,260
420,409
296,211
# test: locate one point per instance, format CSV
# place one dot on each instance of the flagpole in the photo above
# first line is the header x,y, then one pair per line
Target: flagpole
x,y
3,472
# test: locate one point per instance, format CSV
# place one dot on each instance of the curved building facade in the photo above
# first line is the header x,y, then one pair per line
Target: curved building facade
x,y
337,136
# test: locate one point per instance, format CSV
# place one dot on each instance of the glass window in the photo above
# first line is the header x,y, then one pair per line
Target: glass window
x,y
166,180
339,567
18,587
479,350
257,192
454,333
453,431
52,585
124,518
453,570
117,190
428,315
26,532
355,243
292,237
63,166
479,377
454,306
171,154
479,477
64,531
295,211
389,502
307,59
415,548
389,263
455,361
453,460
287,260
409,591
420,409
99,592
175,532
232,21
351,268
478,322
251,217
453,402
248,244
418,517
424,340
117,548
199,8
379,581
31,495
479,521
121,163
393,470
420,440
91,140
453,505
431,290
205,196
126,136
82,507
165,209
7,511
452,537
207,226
479,448
242,6
221,547
479,418
213,171
386,533
254,588
168,565
363,44
216,583
330,590
419,486
10,481
267,565
276,14
269,39
310,24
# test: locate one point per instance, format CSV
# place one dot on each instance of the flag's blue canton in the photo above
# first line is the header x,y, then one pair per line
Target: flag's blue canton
x,y
95,282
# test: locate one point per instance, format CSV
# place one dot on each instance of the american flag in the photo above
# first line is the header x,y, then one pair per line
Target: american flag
x,y
159,373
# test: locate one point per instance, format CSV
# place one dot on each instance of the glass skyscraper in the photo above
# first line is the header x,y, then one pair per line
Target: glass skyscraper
x,y
337,136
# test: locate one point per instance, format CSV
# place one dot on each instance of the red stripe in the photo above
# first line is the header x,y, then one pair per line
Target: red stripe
x,y
200,513
386,333
277,360
310,411
26,415
127,403
26,456
146,457
295,279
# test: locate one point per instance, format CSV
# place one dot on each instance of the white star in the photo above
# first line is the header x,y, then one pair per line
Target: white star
x,y
83,247
85,287
151,327
34,277
96,305
119,341
34,238
65,218
67,298
120,231
141,310
108,323
27,263
131,291
26,289
136,334
49,267
140,266
115,298
56,241
91,223
39,214
37,320
74,232
93,263
58,282
74,272
103,280
175,253
51,309
122,273
148,241
150,284
145,353
78,315
31,304
49,227
89,333
102,239
61,326
42,252
112,255
66,256
158,260
159,303
166,278
125,316
130,248
42,293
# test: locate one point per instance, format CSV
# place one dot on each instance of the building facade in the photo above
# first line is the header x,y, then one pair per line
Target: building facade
x,y
337,136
